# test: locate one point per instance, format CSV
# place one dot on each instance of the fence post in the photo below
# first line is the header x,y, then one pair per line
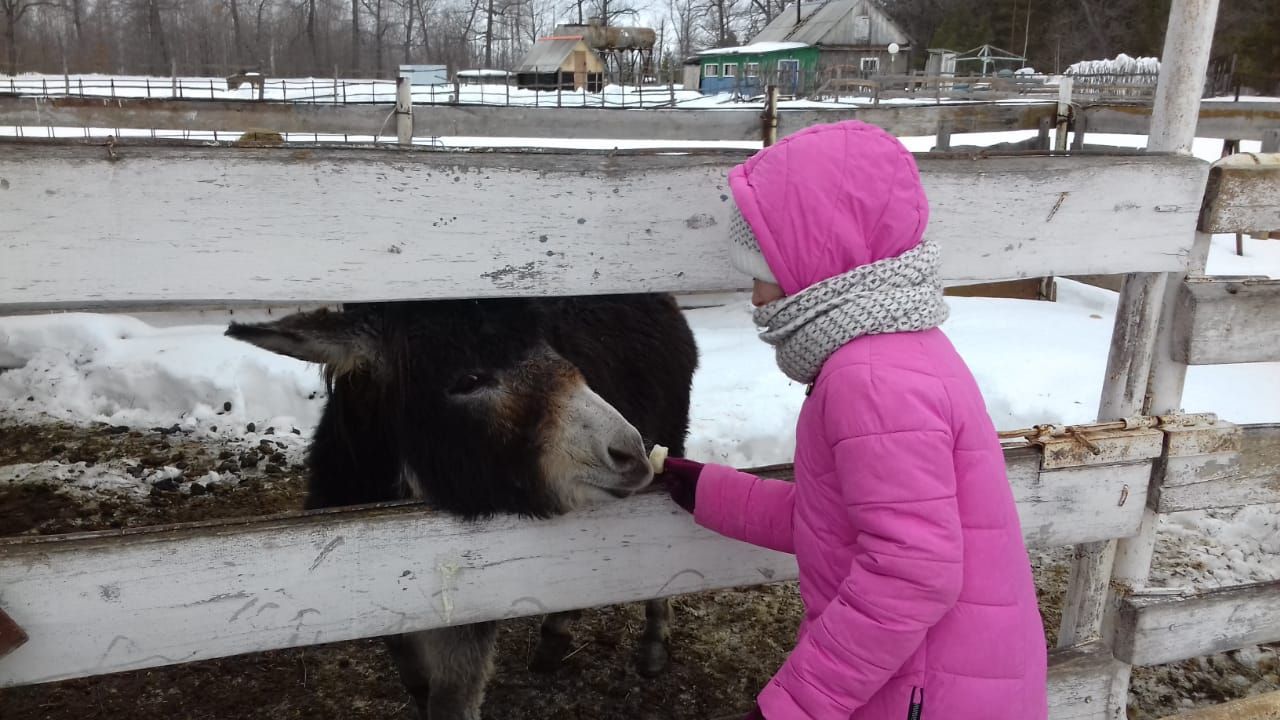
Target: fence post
x,y
175,87
1271,141
943,142
404,111
335,84
1141,374
1064,113
1082,126
769,118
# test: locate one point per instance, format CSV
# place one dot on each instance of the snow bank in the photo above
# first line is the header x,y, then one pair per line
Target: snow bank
x,y
1140,67
116,369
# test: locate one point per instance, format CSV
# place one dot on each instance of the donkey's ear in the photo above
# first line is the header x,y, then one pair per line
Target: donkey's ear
x,y
340,341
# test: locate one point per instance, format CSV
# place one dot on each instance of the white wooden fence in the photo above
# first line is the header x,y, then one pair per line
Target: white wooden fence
x,y
148,226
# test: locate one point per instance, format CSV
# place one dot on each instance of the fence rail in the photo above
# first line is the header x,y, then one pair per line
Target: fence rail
x,y
1218,119
438,224
346,574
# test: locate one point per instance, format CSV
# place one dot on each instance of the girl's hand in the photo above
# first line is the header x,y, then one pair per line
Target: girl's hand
x,y
681,479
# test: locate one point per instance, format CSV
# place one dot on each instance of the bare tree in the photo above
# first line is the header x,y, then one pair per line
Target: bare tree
x,y
14,12
355,34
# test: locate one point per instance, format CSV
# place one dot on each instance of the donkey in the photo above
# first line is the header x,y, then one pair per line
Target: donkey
x,y
525,406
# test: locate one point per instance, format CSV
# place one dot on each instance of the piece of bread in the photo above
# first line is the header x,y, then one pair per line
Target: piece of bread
x,y
657,458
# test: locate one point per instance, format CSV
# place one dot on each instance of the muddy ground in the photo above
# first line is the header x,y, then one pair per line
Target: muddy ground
x,y
725,644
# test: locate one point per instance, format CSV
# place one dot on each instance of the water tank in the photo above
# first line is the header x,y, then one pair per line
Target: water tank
x,y
613,37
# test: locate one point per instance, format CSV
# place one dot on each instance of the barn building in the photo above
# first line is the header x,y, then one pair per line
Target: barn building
x,y
561,62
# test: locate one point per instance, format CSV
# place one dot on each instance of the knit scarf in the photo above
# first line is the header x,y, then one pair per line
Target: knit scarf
x,y
898,294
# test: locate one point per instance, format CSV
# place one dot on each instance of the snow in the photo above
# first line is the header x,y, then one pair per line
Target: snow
x,y
754,48
123,371
1119,65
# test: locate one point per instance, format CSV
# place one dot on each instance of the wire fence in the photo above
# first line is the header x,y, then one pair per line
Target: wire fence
x,y
341,91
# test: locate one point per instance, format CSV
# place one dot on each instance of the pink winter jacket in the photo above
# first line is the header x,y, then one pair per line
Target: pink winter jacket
x,y
915,579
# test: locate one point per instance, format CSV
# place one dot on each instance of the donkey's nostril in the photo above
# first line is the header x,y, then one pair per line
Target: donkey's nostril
x,y
621,458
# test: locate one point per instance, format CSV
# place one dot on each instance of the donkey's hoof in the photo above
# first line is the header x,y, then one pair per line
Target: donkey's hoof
x,y
652,659
549,655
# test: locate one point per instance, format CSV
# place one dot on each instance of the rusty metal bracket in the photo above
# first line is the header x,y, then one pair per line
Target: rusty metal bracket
x,y
1132,439
12,636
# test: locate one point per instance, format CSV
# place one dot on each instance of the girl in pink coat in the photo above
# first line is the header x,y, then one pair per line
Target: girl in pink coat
x,y
919,602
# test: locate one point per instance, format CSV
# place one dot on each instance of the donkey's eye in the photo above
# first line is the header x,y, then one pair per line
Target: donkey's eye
x,y
471,382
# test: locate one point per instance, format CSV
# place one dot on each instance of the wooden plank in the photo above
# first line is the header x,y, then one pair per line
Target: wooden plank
x,y
1084,504
1157,629
1218,119
1242,194
1227,320
1243,121
1100,447
286,225
491,121
1258,707
1080,680
124,600
1252,477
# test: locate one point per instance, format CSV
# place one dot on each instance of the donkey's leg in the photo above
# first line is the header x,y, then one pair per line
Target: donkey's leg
x,y
555,641
653,654
456,663
413,671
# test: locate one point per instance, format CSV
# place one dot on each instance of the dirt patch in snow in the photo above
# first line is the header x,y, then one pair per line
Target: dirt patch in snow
x,y
58,478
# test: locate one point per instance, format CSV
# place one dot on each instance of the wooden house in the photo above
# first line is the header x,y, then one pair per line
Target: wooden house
x,y
803,47
561,62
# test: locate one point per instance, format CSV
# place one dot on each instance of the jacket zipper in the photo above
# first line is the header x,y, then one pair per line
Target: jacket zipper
x,y
917,704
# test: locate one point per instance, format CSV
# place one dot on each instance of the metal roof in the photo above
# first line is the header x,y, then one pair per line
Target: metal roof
x,y
754,48
834,22
549,53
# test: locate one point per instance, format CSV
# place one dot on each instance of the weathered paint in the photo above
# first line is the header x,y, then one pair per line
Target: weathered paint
x,y
1230,477
290,225
1160,628
1243,194
1225,320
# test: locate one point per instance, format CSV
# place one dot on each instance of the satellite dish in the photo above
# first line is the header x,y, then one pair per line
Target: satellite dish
x,y
893,48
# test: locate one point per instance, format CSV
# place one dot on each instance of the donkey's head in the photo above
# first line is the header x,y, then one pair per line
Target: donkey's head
x,y
479,412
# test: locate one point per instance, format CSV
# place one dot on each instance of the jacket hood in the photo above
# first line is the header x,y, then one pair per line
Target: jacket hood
x,y
829,199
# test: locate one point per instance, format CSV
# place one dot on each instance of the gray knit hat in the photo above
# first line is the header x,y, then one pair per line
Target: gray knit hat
x,y
744,249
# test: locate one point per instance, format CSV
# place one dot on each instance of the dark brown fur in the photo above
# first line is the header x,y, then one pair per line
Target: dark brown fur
x,y
456,402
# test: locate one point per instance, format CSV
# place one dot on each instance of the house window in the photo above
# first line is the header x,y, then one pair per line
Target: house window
x,y
731,69
752,70
710,71
870,64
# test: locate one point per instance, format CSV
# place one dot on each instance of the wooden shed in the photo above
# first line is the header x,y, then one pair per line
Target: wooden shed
x,y
561,62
